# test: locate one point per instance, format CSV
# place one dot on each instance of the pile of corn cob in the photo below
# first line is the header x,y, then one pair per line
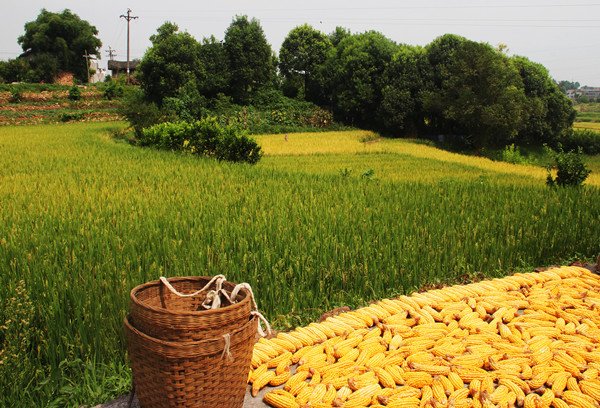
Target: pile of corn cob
x,y
528,340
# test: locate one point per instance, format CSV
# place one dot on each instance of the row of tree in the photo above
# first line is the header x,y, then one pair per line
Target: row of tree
x,y
452,86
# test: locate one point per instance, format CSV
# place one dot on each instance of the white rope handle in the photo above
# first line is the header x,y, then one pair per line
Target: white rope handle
x,y
213,300
219,278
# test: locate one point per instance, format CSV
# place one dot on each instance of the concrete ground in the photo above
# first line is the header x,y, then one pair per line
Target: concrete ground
x,y
249,400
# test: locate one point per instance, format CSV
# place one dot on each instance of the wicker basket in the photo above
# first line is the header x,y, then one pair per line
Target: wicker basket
x,y
192,373
159,313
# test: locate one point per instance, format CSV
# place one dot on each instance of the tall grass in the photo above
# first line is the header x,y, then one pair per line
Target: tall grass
x,y
84,219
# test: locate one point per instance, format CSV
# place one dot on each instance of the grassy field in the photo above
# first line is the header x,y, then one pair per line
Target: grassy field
x,y
323,220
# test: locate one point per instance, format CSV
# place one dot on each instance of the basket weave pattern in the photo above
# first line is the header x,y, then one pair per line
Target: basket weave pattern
x,y
184,356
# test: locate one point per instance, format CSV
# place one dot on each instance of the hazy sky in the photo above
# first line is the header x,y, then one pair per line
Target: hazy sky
x,y
562,35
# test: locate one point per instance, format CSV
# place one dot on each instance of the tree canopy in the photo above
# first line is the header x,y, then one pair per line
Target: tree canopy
x,y
57,42
170,64
302,53
251,60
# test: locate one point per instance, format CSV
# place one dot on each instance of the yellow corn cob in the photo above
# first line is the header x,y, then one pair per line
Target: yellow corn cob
x,y
430,369
526,371
373,333
487,384
376,360
579,399
266,348
258,357
547,397
285,357
395,342
327,331
475,387
304,338
260,370
538,380
457,395
282,366
559,403
591,388
287,345
407,402
295,380
531,401
385,379
426,395
362,397
343,394
468,374
281,399
317,394
589,374
330,394
261,381
280,378
338,382
347,354
362,381
439,394
338,327
387,336
396,372
315,376
417,379
304,395
560,383
456,381
572,385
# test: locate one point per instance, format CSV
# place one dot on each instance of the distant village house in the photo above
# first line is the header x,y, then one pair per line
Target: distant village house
x,y
587,91
120,67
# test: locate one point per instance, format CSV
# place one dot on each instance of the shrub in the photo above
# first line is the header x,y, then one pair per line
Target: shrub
x,y
512,154
569,166
204,137
74,93
16,96
113,91
140,113
586,139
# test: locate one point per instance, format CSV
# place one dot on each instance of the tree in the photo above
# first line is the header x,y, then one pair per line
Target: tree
x,y
251,60
14,70
353,76
549,113
337,35
302,53
406,78
171,64
477,92
564,86
213,58
58,42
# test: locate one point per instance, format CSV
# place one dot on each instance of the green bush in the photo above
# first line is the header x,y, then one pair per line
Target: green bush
x,y
512,154
16,96
586,139
569,166
140,113
74,93
204,137
113,91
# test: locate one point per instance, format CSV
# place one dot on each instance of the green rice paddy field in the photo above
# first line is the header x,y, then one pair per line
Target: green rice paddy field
x,y
324,220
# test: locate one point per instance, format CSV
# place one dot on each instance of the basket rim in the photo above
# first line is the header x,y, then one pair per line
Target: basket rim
x,y
220,310
190,348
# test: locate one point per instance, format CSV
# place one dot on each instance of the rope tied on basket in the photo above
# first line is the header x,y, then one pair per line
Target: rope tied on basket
x,y
213,299
226,349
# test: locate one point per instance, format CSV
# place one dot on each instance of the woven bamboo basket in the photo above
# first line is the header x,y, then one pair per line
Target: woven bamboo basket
x,y
158,312
192,374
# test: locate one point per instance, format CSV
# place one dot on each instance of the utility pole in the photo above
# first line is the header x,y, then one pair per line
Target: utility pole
x,y
128,17
87,65
111,53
